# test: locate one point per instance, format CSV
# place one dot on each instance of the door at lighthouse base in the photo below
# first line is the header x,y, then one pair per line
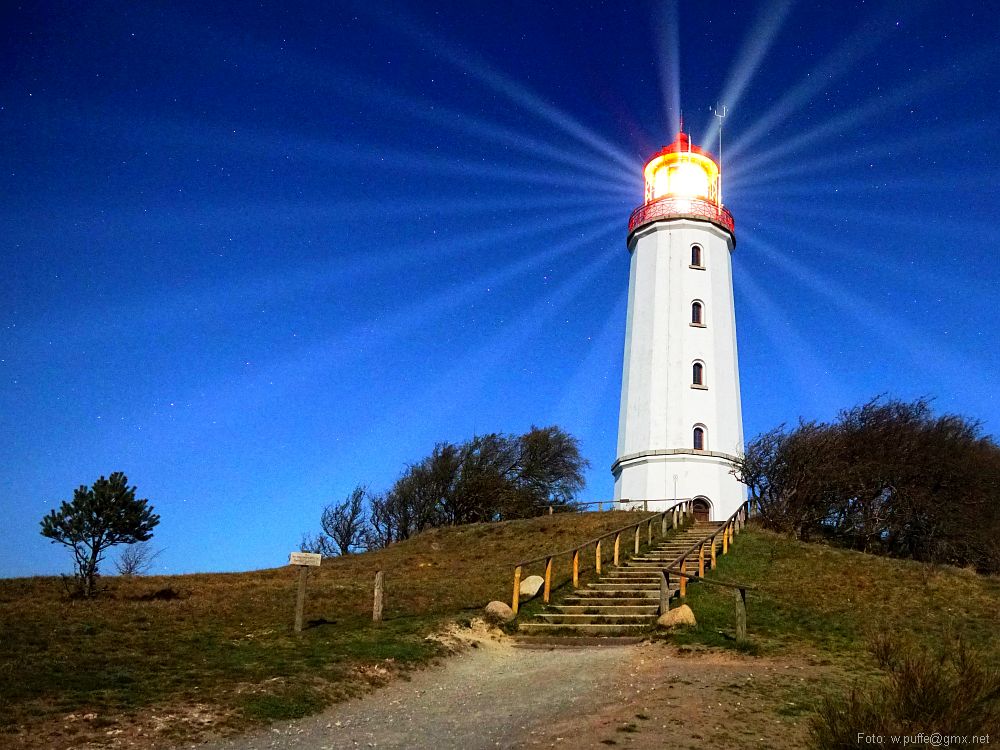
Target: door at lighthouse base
x,y
702,509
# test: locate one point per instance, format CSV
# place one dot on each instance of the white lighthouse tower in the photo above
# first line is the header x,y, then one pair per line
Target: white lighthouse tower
x,y
680,425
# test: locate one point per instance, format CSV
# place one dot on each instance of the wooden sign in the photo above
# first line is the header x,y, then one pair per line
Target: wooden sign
x,y
305,558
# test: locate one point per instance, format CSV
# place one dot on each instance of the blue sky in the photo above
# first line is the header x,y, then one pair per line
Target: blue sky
x,y
256,255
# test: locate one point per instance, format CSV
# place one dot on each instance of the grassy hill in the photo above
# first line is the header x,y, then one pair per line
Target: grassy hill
x,y
217,650
168,657
830,600
888,646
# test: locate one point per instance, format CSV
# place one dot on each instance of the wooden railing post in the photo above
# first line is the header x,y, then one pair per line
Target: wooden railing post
x,y
548,580
618,539
664,591
725,540
673,519
576,568
649,532
597,557
645,505
379,594
741,615
636,540
683,583
663,525
516,599
713,554
701,560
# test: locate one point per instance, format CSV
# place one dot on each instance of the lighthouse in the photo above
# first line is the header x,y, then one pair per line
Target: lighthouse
x,y
680,426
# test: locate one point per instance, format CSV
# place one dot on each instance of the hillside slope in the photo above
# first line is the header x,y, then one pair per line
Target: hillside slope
x,y
182,654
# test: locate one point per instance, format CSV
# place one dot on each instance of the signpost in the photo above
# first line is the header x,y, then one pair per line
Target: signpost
x,y
304,561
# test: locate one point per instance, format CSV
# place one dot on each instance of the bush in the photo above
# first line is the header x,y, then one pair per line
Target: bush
x,y
887,477
953,693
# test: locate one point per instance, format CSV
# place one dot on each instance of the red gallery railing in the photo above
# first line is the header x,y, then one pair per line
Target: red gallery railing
x,y
672,207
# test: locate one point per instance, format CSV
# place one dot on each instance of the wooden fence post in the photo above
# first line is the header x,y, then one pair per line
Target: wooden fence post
x,y
300,598
379,591
713,554
741,615
576,568
618,538
663,525
649,532
597,557
725,541
636,540
516,599
701,560
548,580
664,591
683,583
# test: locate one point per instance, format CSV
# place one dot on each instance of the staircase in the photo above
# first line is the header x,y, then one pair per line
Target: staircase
x,y
626,600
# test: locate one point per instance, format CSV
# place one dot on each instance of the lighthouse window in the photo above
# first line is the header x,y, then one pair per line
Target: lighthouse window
x,y
697,374
696,256
697,314
699,438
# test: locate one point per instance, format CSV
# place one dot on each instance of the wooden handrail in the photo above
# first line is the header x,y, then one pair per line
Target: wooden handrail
x,y
683,506
609,534
745,506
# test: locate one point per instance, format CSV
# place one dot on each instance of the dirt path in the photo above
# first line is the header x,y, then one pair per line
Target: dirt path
x,y
498,696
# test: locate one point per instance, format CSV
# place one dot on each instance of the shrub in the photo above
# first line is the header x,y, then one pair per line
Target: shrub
x,y
956,692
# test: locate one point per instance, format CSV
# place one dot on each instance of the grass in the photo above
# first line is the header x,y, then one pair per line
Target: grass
x,y
829,601
222,645
835,608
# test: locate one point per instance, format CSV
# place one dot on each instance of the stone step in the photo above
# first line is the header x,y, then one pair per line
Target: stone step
x,y
541,628
574,619
607,609
549,642
609,601
618,593
641,586
633,572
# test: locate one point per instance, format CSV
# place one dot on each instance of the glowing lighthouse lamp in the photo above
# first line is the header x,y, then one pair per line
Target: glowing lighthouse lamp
x,y
680,424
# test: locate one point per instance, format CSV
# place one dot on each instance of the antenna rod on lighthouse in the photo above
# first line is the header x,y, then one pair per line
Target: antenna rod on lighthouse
x,y
721,117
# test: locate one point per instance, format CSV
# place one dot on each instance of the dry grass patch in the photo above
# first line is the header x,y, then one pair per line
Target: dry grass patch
x,y
219,649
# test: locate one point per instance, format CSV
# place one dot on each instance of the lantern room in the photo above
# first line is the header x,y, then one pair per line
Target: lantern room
x,y
682,170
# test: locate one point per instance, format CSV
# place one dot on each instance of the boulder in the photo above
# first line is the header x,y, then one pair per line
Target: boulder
x,y
499,612
681,617
530,587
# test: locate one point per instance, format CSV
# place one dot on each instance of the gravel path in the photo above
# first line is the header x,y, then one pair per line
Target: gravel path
x,y
491,696
496,695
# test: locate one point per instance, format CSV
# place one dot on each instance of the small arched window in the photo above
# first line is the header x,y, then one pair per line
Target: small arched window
x,y
699,438
697,314
698,374
696,255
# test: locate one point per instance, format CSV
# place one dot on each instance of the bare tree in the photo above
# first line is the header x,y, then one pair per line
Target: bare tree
x,y
137,559
343,526
887,477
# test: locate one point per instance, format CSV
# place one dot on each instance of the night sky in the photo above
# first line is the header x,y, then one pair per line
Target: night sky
x,y
255,254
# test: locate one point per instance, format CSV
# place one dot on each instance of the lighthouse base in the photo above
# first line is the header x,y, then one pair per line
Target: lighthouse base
x,y
661,477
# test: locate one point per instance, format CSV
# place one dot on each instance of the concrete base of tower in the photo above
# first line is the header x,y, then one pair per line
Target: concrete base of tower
x,y
661,476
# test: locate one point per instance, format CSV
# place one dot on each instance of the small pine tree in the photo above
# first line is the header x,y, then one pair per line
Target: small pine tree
x,y
98,518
